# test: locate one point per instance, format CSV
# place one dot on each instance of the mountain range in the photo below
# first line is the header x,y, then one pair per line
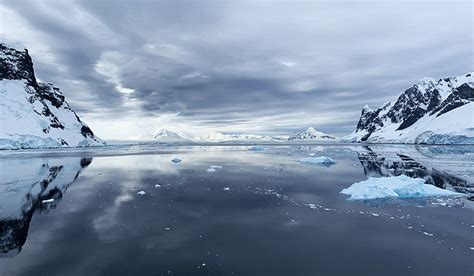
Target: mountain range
x,y
37,115
429,112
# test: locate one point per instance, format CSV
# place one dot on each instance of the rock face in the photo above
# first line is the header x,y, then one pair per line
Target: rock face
x,y
312,134
429,112
34,114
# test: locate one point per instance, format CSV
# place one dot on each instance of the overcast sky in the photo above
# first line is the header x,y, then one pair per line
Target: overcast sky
x,y
129,67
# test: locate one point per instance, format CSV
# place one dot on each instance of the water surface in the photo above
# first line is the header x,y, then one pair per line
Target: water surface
x,y
75,212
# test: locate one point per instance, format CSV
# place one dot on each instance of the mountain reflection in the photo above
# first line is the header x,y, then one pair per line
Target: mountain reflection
x,y
29,186
395,164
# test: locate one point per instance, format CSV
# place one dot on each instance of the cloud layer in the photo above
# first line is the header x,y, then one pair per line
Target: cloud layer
x,y
237,66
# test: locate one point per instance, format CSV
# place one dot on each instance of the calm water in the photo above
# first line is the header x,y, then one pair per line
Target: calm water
x,y
262,213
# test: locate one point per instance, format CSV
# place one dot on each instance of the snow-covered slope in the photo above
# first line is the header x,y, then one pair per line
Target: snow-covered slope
x,y
33,114
312,134
167,136
429,112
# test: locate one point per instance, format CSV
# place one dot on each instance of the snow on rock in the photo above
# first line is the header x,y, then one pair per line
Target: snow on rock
x,y
320,160
394,187
311,134
429,112
34,114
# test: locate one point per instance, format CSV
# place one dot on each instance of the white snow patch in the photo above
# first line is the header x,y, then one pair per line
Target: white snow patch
x,y
48,200
394,187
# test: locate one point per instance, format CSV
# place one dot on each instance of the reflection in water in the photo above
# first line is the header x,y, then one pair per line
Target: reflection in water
x,y
377,165
27,187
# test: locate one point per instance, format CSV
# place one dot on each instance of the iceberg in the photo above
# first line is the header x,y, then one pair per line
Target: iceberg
x,y
394,187
320,160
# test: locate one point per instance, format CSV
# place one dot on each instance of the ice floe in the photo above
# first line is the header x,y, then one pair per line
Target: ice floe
x,y
256,148
213,168
141,193
320,160
394,187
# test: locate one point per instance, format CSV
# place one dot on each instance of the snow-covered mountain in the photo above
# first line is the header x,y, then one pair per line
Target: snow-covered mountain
x,y
167,136
429,112
34,114
311,134
218,137
163,136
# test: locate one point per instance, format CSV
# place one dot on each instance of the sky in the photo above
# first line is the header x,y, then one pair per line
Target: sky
x,y
264,67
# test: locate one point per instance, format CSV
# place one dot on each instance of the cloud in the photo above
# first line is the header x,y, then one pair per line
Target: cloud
x,y
238,66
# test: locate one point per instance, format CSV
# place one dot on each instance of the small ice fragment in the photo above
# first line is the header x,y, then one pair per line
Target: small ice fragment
x,y
256,148
167,228
176,160
320,160
203,264
428,234
141,193
211,170
226,188
375,214
472,248
47,200
157,186
215,167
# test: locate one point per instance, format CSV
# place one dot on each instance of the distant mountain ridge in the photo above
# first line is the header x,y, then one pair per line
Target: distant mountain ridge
x,y
429,112
34,114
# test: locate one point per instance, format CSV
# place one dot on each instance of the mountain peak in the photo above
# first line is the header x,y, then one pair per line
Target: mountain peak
x,y
312,134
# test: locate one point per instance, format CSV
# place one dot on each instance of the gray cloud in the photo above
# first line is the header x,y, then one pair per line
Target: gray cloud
x,y
249,66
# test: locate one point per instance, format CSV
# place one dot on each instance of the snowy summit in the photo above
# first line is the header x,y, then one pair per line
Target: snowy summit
x,y
311,134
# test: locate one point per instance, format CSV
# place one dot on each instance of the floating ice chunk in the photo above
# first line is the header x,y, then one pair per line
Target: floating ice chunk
x,y
226,188
320,160
214,168
141,193
211,170
157,186
47,200
256,148
394,187
176,160
428,234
